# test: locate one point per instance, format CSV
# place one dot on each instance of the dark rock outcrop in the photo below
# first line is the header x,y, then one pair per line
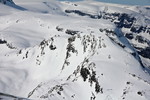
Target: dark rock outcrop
x,y
7,1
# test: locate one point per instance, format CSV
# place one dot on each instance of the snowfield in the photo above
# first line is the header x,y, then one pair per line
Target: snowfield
x,y
60,50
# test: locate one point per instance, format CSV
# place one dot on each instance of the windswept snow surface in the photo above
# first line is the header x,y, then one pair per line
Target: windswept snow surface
x,y
51,50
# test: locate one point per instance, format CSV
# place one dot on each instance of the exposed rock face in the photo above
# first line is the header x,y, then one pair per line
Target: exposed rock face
x,y
7,1
124,21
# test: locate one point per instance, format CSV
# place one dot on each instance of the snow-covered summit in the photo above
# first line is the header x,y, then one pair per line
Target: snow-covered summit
x,y
74,50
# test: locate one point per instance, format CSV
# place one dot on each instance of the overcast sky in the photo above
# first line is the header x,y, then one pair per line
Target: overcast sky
x,y
130,2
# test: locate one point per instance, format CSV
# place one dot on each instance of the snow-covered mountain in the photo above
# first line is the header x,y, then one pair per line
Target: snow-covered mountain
x,y
52,50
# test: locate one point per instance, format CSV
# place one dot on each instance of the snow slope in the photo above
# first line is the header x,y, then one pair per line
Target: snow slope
x,y
74,50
